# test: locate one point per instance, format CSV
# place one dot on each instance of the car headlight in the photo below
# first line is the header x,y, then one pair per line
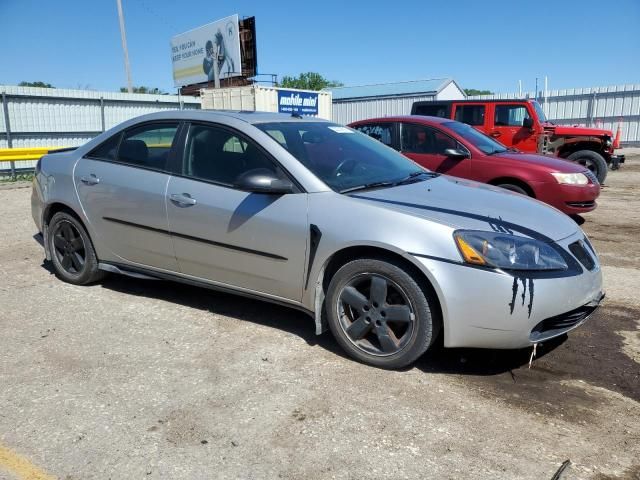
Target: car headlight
x,y
571,178
509,252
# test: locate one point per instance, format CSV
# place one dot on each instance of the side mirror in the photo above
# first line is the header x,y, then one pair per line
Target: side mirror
x,y
456,153
527,122
263,181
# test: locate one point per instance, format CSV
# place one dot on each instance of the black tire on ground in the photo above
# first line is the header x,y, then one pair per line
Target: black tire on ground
x,y
513,188
593,161
72,254
389,333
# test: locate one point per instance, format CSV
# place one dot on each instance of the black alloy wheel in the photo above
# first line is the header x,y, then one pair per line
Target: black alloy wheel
x,y
69,247
72,253
376,314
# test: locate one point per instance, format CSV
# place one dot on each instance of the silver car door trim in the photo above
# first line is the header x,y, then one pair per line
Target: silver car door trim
x,y
197,239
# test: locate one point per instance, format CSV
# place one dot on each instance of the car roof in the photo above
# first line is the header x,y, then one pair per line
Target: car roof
x,y
215,115
406,118
475,100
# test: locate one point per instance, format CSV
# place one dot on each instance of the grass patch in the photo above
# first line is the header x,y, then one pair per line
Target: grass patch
x,y
21,177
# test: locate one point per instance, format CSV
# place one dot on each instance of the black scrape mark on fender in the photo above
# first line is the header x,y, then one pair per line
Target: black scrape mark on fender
x,y
514,293
514,289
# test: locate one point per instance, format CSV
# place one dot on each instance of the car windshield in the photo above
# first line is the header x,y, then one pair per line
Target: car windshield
x,y
539,112
479,140
343,158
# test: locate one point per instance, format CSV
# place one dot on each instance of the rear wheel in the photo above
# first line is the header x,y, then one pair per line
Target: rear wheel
x,y
593,161
379,314
72,254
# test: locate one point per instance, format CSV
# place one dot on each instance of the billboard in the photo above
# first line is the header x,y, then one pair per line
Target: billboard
x,y
197,53
295,101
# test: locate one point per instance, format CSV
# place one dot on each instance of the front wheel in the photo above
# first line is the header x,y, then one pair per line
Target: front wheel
x,y
379,314
593,161
514,188
72,254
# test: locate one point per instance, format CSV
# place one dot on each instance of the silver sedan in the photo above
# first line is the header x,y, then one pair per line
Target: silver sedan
x,y
306,213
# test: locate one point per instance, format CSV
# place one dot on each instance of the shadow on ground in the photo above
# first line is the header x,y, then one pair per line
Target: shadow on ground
x,y
591,354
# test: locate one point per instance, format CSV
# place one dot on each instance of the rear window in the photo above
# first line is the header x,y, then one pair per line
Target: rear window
x,y
431,110
470,114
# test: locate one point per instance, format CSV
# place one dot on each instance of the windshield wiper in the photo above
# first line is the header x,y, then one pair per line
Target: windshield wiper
x,y
498,151
404,180
367,186
416,174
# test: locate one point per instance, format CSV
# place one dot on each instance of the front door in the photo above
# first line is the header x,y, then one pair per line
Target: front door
x,y
426,146
121,185
508,127
250,241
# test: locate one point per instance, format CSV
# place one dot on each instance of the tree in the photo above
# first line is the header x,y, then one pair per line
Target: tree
x,y
143,89
473,91
308,81
35,84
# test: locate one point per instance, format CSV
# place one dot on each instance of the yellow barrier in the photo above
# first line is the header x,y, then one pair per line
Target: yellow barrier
x,y
23,154
34,153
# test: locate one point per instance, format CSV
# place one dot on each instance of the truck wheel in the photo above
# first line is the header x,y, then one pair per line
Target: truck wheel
x,y
593,161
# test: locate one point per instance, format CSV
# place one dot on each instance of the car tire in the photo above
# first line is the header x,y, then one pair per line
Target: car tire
x,y
593,161
387,326
514,188
72,254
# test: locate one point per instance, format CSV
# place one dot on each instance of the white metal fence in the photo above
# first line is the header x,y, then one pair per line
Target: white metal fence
x,y
48,117
600,107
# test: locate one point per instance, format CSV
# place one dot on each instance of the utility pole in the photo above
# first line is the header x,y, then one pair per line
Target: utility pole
x,y
123,35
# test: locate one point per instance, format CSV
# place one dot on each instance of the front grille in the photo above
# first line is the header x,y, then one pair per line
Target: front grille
x,y
553,326
591,176
591,203
583,256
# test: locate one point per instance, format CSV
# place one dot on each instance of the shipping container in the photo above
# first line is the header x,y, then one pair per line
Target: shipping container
x,y
268,99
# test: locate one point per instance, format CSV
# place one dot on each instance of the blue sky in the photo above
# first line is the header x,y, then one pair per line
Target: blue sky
x,y
482,44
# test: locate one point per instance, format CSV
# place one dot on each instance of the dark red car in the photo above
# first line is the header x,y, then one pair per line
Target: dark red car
x,y
455,148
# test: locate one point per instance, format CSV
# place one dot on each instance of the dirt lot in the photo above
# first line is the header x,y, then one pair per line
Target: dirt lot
x,y
141,379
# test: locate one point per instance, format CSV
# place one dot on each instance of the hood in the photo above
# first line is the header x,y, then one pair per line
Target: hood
x,y
568,131
466,204
552,163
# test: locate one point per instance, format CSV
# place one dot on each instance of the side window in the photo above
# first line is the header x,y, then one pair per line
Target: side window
x,y
510,115
434,110
470,114
426,140
383,132
147,146
106,150
218,155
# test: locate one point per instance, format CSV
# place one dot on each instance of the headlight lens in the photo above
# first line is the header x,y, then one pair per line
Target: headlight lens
x,y
571,178
509,252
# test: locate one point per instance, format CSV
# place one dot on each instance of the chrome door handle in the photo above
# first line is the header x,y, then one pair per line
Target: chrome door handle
x,y
90,180
182,199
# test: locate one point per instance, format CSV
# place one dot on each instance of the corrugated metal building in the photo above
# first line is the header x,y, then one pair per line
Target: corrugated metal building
x,y
53,117
385,99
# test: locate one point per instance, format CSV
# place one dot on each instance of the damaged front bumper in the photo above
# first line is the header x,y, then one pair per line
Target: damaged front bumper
x,y
489,309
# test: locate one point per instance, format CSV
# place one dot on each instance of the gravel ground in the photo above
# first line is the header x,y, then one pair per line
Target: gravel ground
x,y
143,379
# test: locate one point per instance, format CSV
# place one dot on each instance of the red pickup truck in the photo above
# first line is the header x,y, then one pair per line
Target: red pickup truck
x,y
522,124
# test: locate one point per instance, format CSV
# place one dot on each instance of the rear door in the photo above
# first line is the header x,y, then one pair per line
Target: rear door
x,y
121,185
246,240
507,127
426,146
